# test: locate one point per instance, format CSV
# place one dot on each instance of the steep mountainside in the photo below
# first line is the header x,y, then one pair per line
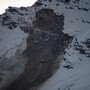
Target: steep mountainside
x,y
47,43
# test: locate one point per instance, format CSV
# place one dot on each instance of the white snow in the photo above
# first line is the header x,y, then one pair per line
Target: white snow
x,y
78,77
10,41
12,44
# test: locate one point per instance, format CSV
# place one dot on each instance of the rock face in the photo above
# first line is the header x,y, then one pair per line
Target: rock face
x,y
45,43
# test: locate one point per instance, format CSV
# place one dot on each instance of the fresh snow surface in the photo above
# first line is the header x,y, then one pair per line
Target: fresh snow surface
x,y
12,44
76,24
11,40
78,77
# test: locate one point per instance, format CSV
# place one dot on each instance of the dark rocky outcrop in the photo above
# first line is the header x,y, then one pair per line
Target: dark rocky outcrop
x,y
7,21
45,43
80,47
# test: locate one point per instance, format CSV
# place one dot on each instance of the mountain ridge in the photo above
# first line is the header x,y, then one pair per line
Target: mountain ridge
x,y
57,26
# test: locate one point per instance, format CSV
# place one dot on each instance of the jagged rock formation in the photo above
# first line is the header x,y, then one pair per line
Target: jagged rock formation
x,y
45,43
32,39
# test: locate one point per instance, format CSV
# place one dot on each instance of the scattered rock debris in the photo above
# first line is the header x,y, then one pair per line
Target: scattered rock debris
x,y
44,45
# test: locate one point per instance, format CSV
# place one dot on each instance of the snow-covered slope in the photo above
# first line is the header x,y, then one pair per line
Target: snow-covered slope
x,y
12,44
73,73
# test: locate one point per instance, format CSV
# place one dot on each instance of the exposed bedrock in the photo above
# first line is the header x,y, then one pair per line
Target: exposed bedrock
x,y
45,43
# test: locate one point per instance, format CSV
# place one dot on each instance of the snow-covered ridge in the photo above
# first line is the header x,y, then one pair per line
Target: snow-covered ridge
x,y
74,72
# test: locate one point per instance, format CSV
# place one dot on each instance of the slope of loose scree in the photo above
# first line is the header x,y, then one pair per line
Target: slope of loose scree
x,y
45,43
33,41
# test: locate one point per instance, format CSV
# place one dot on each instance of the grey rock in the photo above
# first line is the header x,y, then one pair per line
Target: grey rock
x,y
44,45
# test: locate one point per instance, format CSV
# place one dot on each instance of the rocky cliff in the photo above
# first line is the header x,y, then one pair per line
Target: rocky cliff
x,y
34,40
